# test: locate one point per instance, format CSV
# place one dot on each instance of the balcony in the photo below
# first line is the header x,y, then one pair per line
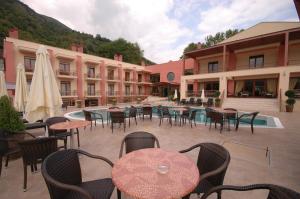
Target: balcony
x,y
112,78
66,73
208,93
68,93
92,93
92,76
112,93
128,94
129,80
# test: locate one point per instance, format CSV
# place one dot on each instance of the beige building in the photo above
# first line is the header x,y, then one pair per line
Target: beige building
x,y
252,69
92,80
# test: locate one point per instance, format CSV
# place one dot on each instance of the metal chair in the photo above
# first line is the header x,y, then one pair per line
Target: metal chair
x,y
192,117
208,114
117,117
231,116
275,191
92,116
199,102
147,110
217,118
247,118
132,114
62,174
35,151
213,161
138,140
164,113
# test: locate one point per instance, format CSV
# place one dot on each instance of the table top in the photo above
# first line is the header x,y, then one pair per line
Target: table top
x,y
116,110
69,125
180,109
136,174
225,111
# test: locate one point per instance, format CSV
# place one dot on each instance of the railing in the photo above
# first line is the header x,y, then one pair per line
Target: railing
x,y
128,79
89,75
92,93
68,93
65,72
111,78
112,93
207,93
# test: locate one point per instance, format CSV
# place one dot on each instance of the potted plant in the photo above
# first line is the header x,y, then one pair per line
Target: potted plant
x,y
290,100
139,100
114,101
217,99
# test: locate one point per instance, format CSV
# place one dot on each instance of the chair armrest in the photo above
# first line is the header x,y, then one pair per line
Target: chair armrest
x,y
235,188
96,157
244,115
189,149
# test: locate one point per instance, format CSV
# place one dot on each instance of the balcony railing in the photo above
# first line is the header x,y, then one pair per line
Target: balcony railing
x,y
29,68
208,93
128,79
91,75
66,73
112,93
92,93
68,93
112,78
128,93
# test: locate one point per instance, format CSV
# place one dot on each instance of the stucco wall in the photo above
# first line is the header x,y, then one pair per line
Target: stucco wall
x,y
203,64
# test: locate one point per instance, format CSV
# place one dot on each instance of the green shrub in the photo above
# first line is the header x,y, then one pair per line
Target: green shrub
x,y
9,117
290,101
290,93
217,94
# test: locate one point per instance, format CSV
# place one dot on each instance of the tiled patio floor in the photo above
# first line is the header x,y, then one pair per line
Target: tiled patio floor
x,y
248,162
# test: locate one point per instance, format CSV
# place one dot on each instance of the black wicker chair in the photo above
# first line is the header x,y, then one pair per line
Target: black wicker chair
x,y
213,160
132,114
147,110
231,116
35,151
185,115
210,102
246,118
217,118
183,102
191,101
93,117
62,174
208,114
192,118
138,140
275,191
60,134
199,102
117,117
164,112
9,146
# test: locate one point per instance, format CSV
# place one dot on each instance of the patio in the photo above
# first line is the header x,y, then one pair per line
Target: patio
x,y
248,165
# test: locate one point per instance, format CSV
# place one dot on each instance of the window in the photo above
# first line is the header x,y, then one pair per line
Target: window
x,y
127,90
65,88
64,68
110,74
190,88
91,72
139,77
155,78
111,89
256,61
213,67
139,90
170,76
127,76
188,72
212,86
29,63
91,89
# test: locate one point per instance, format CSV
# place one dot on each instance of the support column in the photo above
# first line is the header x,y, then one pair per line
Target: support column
x,y
183,65
80,81
183,88
196,67
223,85
224,58
102,100
195,87
286,49
135,84
121,83
231,61
10,67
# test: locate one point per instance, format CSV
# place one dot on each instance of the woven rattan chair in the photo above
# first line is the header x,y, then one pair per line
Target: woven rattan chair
x,y
217,118
35,151
132,114
199,102
210,102
231,116
147,110
208,114
185,115
60,134
275,191
62,173
117,117
191,101
93,117
183,101
192,118
138,140
213,160
247,118
164,113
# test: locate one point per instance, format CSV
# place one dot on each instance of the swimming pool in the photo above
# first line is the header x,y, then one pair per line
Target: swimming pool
x,y
263,121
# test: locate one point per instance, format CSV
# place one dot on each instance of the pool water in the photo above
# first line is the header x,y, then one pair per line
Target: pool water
x,y
260,120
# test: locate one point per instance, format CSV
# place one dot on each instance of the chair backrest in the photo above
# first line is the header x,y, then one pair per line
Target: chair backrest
x,y
165,110
117,117
138,140
216,116
53,120
199,101
87,115
132,111
114,107
147,110
64,167
254,114
192,100
210,101
208,112
183,101
37,148
211,157
193,114
186,112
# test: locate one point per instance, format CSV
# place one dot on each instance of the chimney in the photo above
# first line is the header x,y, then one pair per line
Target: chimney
x,y
143,63
120,57
77,48
199,45
13,33
116,57
73,47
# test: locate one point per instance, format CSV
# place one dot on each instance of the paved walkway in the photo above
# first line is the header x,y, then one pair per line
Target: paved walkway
x,y
248,161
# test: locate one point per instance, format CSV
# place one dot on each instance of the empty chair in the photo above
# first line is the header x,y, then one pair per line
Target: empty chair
x,y
208,113
62,173
60,134
217,118
164,113
192,118
246,118
231,116
132,114
199,102
192,101
92,116
210,102
147,110
138,140
117,117
183,101
275,191
213,160
185,115
35,151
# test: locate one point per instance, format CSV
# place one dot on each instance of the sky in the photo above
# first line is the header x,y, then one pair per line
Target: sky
x,y
163,28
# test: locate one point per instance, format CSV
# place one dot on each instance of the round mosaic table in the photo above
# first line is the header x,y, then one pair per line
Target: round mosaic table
x,y
136,174
70,125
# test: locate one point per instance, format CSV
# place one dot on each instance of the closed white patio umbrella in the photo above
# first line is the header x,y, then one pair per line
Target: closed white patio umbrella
x,y
44,99
3,90
203,97
175,94
21,94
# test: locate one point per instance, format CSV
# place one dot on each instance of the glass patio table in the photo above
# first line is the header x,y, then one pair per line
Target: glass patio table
x,y
155,173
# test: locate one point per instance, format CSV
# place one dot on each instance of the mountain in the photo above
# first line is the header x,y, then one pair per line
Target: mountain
x,y
46,30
